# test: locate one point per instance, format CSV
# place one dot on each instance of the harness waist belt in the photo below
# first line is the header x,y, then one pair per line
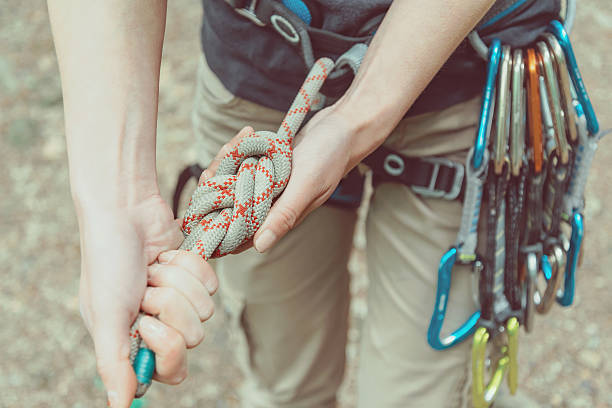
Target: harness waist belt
x,y
427,176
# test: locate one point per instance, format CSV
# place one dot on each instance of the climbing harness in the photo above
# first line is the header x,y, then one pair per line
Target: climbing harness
x,y
226,210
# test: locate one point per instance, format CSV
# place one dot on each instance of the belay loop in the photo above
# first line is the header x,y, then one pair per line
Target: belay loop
x,y
226,210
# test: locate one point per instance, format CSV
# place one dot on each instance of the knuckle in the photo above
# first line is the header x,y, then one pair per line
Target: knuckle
x,y
104,367
175,345
166,297
287,217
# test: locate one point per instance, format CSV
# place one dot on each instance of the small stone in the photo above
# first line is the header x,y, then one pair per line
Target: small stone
x,y
580,401
8,79
22,132
590,359
556,400
569,325
54,148
592,329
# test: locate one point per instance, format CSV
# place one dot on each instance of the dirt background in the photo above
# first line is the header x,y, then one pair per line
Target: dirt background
x,y
46,357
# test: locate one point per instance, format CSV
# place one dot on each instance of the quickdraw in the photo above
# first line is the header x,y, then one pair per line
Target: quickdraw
x,y
467,238
498,322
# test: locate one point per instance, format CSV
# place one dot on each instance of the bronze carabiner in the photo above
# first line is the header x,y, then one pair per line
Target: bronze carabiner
x,y
534,110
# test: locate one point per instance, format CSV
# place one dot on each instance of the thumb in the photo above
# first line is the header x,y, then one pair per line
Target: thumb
x,y
113,360
286,213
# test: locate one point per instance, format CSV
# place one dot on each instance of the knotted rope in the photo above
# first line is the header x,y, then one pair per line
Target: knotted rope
x,y
226,210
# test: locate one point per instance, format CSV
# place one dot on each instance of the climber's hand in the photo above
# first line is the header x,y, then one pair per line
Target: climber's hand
x,y
325,150
179,293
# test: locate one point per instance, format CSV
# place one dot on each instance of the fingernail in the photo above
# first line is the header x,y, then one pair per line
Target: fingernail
x,y
111,397
265,241
166,257
152,269
153,326
211,285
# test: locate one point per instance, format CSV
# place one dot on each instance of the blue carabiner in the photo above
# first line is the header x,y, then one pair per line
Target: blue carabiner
x,y
567,297
546,267
439,312
486,110
557,29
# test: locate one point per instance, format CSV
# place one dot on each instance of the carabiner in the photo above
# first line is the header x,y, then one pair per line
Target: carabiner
x,y
554,99
502,112
558,31
566,297
517,129
437,318
565,86
484,393
465,250
551,268
488,101
531,276
534,110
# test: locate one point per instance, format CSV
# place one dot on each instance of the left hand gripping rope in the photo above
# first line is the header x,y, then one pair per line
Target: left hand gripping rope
x,y
226,210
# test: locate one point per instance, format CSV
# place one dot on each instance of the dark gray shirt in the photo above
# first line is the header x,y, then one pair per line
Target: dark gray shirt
x,y
257,64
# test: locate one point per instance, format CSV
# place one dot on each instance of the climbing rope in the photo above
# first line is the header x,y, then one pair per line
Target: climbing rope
x,y
226,210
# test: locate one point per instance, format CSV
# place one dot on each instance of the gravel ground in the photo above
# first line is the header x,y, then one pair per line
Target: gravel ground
x,y
47,359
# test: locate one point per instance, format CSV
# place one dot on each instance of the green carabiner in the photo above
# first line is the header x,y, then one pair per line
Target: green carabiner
x,y
484,393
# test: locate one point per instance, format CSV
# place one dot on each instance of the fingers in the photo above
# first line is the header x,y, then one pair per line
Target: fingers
x,y
225,150
169,348
290,208
175,311
193,263
192,289
112,357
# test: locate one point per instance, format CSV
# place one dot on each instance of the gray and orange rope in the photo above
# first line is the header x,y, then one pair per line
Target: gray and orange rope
x,y
226,210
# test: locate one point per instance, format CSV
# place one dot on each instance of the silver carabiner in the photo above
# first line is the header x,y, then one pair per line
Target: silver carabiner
x,y
518,122
554,99
502,112
564,85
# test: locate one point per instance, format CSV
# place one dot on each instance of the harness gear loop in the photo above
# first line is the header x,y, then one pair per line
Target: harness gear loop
x,y
483,51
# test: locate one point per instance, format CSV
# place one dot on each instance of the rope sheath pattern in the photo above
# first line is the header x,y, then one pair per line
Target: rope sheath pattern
x,y
226,210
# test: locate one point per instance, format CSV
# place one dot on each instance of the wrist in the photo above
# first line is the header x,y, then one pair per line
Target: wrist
x,y
368,125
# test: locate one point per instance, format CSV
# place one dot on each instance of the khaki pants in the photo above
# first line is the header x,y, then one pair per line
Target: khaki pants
x,y
291,304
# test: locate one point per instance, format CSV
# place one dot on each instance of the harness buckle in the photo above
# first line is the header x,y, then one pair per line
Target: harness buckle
x,y
430,190
247,11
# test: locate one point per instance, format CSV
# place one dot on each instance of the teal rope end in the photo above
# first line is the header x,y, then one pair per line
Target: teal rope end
x,y
144,365
139,403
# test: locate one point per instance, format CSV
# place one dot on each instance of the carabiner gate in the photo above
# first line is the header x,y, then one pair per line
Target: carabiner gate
x,y
551,267
566,297
502,112
484,393
488,101
437,319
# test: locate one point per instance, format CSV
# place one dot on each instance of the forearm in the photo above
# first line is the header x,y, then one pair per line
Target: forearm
x,y
109,55
409,48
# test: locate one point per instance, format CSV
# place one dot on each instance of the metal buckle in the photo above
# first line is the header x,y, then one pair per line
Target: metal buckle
x,y
249,12
430,190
